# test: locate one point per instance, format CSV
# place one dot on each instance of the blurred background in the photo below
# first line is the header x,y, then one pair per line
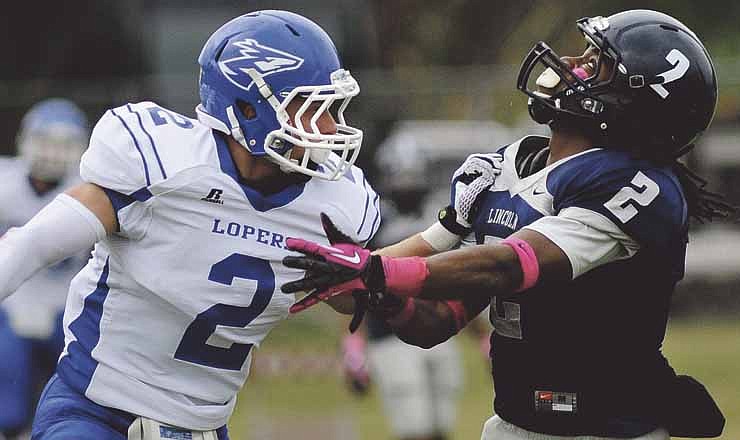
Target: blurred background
x,y
438,82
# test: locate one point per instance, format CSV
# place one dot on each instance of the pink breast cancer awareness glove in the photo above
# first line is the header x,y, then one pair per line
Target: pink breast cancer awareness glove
x,y
345,268
341,271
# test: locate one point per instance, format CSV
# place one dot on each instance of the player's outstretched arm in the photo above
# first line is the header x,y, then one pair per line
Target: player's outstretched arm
x,y
73,222
521,261
470,274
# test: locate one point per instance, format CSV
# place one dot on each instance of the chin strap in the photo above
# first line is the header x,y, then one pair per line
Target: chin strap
x,y
264,88
236,130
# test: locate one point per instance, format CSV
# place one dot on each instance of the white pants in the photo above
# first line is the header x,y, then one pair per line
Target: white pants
x,y
419,388
498,429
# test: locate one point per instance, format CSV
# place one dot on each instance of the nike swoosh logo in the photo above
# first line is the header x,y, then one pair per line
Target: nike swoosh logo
x,y
537,191
353,260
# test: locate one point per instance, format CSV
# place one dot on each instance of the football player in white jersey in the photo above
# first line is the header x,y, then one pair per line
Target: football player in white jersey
x,y
52,136
189,218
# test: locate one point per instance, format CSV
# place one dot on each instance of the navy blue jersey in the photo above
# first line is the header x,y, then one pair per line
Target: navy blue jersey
x,y
583,357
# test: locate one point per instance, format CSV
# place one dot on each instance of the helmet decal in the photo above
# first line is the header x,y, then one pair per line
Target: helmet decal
x,y
253,55
680,66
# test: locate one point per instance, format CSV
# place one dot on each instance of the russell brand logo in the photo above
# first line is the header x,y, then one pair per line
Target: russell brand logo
x,y
214,196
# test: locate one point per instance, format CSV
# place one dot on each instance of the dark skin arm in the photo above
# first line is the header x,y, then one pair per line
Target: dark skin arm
x,y
433,322
491,270
473,275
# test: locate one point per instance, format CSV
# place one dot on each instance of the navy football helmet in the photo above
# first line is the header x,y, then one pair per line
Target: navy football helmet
x,y
52,136
268,59
651,87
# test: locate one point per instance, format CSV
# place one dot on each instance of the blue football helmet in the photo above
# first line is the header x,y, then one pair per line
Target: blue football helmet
x,y
53,134
268,59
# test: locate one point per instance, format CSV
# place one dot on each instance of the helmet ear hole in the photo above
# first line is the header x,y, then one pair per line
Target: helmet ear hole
x,y
246,109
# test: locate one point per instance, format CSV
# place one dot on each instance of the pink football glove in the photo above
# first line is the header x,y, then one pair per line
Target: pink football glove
x,y
346,268
332,270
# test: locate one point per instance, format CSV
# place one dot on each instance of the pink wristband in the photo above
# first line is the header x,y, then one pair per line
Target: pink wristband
x,y
527,260
404,276
404,315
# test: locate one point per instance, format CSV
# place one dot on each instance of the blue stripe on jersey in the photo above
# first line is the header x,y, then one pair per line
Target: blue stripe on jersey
x,y
258,201
367,203
376,224
151,140
77,366
120,201
138,148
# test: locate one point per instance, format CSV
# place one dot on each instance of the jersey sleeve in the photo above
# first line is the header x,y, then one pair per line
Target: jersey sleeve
x,y
366,216
114,161
644,202
357,214
607,210
587,239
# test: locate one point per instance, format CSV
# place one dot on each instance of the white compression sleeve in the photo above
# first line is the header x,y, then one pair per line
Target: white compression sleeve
x,y
63,228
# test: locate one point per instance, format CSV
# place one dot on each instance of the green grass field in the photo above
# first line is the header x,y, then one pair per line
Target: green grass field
x,y
296,390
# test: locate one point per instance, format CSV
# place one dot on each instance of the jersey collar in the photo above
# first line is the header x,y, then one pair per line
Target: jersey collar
x,y
518,184
259,201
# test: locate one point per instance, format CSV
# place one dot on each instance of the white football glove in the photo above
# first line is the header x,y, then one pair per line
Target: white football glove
x,y
474,177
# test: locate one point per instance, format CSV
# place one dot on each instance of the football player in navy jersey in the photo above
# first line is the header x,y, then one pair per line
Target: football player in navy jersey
x,y
582,241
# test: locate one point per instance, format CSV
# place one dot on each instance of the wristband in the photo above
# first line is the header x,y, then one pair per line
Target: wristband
x,y
404,276
528,261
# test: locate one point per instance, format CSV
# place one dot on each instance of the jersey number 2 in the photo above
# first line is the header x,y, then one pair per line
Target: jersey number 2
x,y
194,346
622,205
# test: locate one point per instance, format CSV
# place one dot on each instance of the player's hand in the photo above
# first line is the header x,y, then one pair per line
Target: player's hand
x,y
343,268
354,363
474,177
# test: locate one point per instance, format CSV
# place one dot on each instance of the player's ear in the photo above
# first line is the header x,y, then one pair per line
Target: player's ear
x,y
332,232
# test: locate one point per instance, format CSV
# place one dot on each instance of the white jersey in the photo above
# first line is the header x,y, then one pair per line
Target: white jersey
x,y
35,305
163,320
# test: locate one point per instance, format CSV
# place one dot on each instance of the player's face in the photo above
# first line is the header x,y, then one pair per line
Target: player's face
x,y
586,65
326,123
